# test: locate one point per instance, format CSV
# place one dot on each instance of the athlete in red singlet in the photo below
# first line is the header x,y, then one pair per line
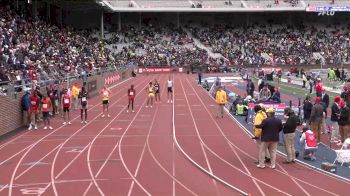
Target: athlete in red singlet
x,y
34,101
66,103
131,95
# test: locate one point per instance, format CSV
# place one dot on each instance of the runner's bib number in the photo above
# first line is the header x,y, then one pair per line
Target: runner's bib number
x,y
66,101
83,99
105,94
33,102
45,106
131,93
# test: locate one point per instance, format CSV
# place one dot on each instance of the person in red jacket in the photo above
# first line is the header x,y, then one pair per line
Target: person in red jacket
x,y
33,112
319,87
66,102
45,109
131,95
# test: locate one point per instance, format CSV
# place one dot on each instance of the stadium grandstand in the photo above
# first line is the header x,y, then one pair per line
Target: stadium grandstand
x,y
174,97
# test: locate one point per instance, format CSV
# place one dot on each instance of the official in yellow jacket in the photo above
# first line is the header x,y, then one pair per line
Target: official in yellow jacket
x,y
221,100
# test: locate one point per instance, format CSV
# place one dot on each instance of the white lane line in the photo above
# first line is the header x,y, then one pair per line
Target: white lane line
x,y
25,133
103,165
143,149
57,153
195,163
227,140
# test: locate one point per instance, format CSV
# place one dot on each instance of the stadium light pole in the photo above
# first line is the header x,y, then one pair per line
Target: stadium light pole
x,y
119,22
102,25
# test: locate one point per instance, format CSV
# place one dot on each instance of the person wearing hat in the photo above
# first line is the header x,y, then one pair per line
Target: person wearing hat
x,y
309,139
344,122
260,115
271,126
335,113
221,100
316,118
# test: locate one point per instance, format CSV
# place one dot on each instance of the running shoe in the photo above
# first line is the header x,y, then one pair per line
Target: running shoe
x,y
168,101
50,128
30,127
272,166
146,106
260,166
36,127
64,123
127,111
132,111
171,101
69,123
45,128
108,115
85,122
151,106
103,116
82,122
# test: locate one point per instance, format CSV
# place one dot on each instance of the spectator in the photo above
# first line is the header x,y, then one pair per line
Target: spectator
x,y
310,143
250,88
307,108
289,127
335,114
316,118
221,100
271,126
344,122
276,97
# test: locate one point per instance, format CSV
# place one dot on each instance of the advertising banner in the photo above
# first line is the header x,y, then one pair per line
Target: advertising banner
x,y
155,70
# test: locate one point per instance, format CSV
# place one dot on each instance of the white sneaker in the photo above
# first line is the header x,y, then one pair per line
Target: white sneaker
x,y
45,128
127,111
36,127
171,101
168,101
103,116
132,111
146,106
69,123
82,122
64,123
85,122
50,128
30,127
151,106
109,115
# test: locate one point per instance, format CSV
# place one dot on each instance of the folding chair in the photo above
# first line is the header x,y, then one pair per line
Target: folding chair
x,y
343,155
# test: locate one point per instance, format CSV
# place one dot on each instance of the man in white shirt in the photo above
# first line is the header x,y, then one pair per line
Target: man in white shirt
x,y
170,90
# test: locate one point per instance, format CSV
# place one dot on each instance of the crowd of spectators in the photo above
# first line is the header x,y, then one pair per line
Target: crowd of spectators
x,y
278,44
33,50
157,46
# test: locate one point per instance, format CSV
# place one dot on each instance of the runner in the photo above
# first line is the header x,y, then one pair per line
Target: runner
x,y
150,91
170,90
34,109
105,101
131,95
46,105
156,89
83,96
66,103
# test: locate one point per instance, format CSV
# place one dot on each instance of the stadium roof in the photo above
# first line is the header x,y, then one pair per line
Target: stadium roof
x,y
214,5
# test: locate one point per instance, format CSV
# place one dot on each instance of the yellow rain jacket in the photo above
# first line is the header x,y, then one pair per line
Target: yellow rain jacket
x,y
221,97
259,117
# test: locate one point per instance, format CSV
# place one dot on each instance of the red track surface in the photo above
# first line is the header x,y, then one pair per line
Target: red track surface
x,y
170,149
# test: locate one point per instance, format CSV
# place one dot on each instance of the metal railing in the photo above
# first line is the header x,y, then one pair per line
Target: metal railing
x,y
12,88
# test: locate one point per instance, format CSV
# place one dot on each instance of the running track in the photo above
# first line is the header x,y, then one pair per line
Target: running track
x,y
170,149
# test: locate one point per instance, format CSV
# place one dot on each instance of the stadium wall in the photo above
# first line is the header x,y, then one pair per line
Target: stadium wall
x,y
13,119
